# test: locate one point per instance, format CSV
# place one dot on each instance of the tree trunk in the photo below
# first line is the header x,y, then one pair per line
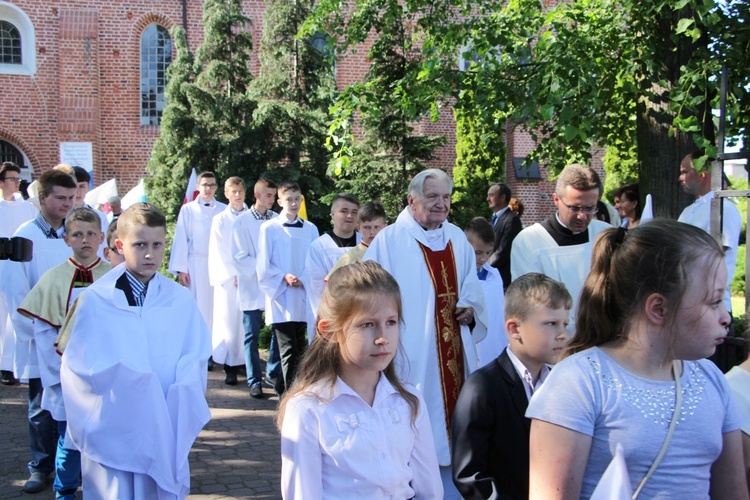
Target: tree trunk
x,y
659,154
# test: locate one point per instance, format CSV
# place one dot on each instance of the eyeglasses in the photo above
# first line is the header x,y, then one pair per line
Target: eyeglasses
x,y
13,179
580,210
207,185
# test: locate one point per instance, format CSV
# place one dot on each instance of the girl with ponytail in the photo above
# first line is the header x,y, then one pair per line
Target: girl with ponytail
x,y
650,310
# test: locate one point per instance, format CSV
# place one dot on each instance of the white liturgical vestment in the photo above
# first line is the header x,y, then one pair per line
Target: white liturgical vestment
x,y
134,382
227,334
535,251
189,252
397,249
282,250
18,278
12,215
321,257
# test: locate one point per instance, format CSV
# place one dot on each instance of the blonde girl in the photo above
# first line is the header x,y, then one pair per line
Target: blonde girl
x,y
349,428
650,310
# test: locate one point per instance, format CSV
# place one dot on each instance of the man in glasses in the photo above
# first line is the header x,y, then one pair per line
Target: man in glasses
x,y
189,257
14,211
560,246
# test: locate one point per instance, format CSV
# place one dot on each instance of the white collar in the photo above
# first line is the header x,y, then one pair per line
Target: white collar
x,y
522,370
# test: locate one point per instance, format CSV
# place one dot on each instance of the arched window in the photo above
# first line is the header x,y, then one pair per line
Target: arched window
x,y
156,56
10,44
8,152
17,41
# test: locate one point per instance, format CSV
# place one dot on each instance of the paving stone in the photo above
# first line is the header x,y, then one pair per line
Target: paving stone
x,y
236,456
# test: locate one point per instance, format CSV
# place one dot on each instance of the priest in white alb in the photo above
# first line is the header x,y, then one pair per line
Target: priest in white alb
x,y
189,255
227,333
443,301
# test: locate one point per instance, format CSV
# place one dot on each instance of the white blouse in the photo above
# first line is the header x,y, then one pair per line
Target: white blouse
x,y
335,445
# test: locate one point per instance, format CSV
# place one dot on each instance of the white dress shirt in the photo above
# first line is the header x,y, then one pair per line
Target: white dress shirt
x,y
335,445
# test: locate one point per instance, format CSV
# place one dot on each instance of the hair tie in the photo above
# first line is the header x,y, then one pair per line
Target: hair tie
x,y
621,233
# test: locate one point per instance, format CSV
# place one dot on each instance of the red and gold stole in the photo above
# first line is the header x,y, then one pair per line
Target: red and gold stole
x,y
442,267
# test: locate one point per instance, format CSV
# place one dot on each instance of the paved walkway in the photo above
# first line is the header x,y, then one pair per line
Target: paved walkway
x,y
236,456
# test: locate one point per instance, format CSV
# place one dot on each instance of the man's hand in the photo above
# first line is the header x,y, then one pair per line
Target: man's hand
x,y
464,315
184,279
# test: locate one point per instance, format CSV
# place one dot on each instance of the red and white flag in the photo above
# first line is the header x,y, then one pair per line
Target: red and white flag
x,y
191,192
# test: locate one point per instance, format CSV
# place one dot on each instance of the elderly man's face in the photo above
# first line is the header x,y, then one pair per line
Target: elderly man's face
x,y
431,209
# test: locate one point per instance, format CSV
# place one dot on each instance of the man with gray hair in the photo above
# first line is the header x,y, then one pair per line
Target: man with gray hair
x,y
560,246
435,268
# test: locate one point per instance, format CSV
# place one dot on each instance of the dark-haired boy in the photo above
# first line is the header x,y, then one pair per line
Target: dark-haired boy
x,y
252,301
282,247
134,390
328,249
490,433
371,220
47,304
480,234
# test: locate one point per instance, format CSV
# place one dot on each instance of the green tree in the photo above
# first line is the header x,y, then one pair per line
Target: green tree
x,y
379,163
232,143
294,90
170,161
480,162
581,74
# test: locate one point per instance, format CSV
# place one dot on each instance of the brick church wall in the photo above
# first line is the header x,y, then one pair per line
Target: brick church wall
x,y
87,88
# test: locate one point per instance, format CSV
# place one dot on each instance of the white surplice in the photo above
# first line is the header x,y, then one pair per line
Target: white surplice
x,y
134,382
698,214
227,334
494,298
397,249
245,241
189,253
12,215
18,278
321,257
535,251
281,251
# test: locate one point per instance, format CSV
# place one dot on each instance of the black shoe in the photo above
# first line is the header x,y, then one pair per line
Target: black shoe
x,y
279,387
7,378
269,382
210,364
36,482
256,391
231,379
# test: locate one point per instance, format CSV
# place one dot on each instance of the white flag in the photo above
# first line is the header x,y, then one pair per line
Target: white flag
x,y
615,482
101,194
648,210
135,195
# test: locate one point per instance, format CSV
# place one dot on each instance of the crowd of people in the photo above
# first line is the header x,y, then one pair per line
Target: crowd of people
x,y
411,360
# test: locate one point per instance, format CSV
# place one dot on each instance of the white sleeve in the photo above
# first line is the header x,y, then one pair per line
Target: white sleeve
x,y
220,264
523,256
270,277
315,275
423,462
243,250
178,257
301,456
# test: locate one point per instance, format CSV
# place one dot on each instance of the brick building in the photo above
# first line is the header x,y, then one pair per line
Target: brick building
x,y
91,73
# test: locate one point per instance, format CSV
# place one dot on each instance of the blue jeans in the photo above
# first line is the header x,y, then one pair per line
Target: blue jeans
x,y
42,431
251,321
67,467
273,365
